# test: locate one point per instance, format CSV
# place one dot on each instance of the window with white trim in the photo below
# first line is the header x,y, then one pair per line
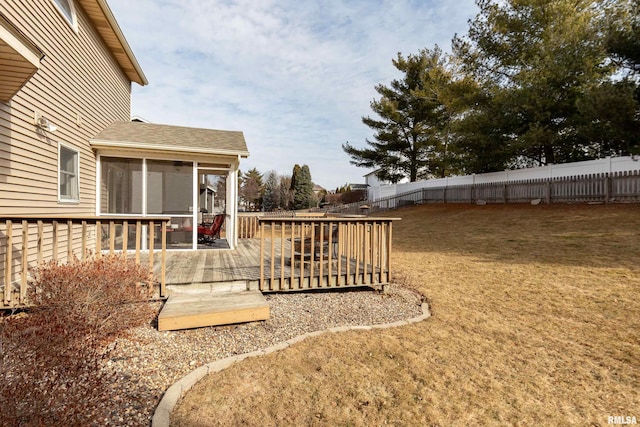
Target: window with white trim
x,y
68,174
68,10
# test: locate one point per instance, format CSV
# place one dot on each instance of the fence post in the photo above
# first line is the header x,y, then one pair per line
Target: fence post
x,y
547,189
607,188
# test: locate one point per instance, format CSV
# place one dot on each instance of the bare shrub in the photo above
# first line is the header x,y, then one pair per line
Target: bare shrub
x,y
51,357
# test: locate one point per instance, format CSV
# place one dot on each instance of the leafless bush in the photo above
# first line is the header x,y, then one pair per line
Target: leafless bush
x,y
51,356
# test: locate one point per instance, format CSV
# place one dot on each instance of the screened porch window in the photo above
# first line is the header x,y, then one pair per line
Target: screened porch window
x,y
150,187
121,182
169,187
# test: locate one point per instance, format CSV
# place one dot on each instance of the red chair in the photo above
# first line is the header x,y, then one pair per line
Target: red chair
x,y
208,233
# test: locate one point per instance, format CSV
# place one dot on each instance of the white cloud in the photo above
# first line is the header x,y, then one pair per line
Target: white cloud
x,y
296,77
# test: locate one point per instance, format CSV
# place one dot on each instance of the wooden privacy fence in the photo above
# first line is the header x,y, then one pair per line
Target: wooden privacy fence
x,y
327,252
616,187
28,241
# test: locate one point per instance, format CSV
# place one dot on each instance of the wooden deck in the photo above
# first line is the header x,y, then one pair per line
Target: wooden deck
x,y
204,268
274,255
188,267
210,287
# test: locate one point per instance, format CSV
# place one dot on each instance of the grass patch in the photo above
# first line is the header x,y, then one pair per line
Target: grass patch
x,y
536,320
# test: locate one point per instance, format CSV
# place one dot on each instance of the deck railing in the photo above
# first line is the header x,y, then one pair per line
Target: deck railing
x,y
248,225
28,241
324,252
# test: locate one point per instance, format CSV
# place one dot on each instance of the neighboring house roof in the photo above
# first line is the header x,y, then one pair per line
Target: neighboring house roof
x,y
152,136
208,187
358,186
105,23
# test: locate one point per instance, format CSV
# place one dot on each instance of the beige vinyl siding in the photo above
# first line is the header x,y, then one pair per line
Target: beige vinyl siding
x,y
78,77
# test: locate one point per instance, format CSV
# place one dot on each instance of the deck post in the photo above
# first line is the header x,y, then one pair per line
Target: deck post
x,y
329,257
389,239
98,238
40,240
321,255
261,281
163,264
55,240
138,240
348,251
341,238
381,250
312,254
302,237
69,240
374,251
358,242
8,263
84,240
282,240
125,237
151,228
25,263
292,256
112,236
272,265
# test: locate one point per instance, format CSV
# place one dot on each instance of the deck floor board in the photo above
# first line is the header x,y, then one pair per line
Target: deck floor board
x,y
186,267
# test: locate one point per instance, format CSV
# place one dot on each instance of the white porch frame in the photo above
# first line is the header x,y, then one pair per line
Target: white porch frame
x,y
231,200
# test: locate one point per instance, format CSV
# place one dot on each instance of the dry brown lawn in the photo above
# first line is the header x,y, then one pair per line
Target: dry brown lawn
x,y
536,321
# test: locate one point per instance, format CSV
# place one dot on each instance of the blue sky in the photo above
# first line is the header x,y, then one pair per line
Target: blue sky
x,y
295,76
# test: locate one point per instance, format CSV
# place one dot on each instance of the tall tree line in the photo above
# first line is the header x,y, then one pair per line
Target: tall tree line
x,y
273,191
533,82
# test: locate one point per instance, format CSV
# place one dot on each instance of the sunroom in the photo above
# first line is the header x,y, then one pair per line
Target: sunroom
x,y
187,175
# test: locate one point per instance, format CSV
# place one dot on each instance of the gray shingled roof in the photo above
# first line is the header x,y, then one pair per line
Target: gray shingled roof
x,y
173,138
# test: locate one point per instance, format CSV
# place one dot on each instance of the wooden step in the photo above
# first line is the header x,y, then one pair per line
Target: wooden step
x,y
212,288
196,310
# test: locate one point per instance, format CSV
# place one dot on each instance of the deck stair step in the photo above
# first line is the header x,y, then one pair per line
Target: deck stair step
x,y
212,288
199,309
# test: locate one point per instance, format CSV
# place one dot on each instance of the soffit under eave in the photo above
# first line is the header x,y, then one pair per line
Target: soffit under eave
x,y
140,152
19,59
105,23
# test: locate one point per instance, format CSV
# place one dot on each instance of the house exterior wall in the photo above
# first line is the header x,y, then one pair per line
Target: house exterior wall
x,y
373,184
79,87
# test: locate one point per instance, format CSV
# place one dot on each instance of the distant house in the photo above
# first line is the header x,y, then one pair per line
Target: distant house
x,y
372,183
67,142
371,179
207,198
318,190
